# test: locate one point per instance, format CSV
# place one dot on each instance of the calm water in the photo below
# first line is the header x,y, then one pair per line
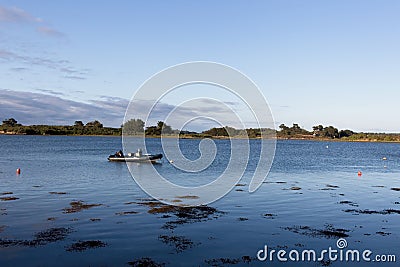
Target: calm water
x,y
329,197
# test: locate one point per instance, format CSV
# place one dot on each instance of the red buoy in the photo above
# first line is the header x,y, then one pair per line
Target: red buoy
x,y
18,171
359,173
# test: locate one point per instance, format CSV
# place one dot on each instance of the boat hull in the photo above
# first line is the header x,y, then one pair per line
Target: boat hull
x,y
142,159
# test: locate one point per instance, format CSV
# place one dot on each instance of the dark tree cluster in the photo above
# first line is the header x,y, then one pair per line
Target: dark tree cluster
x,y
292,131
161,128
330,132
133,126
79,128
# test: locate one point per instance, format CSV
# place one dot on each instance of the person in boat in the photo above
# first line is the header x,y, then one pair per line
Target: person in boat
x,y
119,154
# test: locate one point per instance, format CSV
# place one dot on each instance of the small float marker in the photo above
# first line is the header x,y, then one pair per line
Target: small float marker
x,y
18,171
359,173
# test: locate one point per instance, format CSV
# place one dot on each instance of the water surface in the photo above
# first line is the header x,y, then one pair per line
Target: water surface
x,y
312,187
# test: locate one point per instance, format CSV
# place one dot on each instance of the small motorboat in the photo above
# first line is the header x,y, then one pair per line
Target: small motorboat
x,y
135,157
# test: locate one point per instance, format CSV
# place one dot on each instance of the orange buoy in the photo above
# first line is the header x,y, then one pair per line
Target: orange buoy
x,y
18,171
359,173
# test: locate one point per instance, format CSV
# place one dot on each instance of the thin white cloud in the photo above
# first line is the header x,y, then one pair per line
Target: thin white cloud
x,y
51,92
62,65
18,69
16,15
73,77
6,55
49,31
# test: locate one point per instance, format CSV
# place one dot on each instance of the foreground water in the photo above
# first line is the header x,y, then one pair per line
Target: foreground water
x,y
71,207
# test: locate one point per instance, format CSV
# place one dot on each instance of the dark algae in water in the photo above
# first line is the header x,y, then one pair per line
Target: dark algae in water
x,y
180,243
145,262
58,193
77,206
126,212
383,212
182,215
348,203
41,238
8,198
84,245
269,215
52,235
244,260
328,232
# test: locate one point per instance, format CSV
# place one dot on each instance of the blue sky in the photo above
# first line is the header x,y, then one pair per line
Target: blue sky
x,y
329,62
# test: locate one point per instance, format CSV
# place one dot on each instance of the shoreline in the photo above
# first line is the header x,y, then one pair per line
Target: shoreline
x,y
223,138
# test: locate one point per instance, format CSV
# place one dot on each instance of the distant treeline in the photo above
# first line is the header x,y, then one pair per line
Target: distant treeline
x,y
137,127
11,126
320,132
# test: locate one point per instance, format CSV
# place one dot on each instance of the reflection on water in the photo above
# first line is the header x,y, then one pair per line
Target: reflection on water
x,y
70,206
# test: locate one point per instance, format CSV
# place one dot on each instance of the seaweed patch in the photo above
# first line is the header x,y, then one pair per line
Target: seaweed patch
x,y
8,198
328,232
349,203
188,197
84,245
145,262
58,193
182,215
126,212
269,215
41,238
77,206
382,212
295,188
332,186
227,261
180,243
383,233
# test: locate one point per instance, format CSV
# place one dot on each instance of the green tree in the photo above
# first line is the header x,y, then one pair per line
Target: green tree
x,y
133,126
345,133
317,130
78,124
10,122
253,133
164,128
152,130
296,127
161,128
94,124
283,127
330,132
